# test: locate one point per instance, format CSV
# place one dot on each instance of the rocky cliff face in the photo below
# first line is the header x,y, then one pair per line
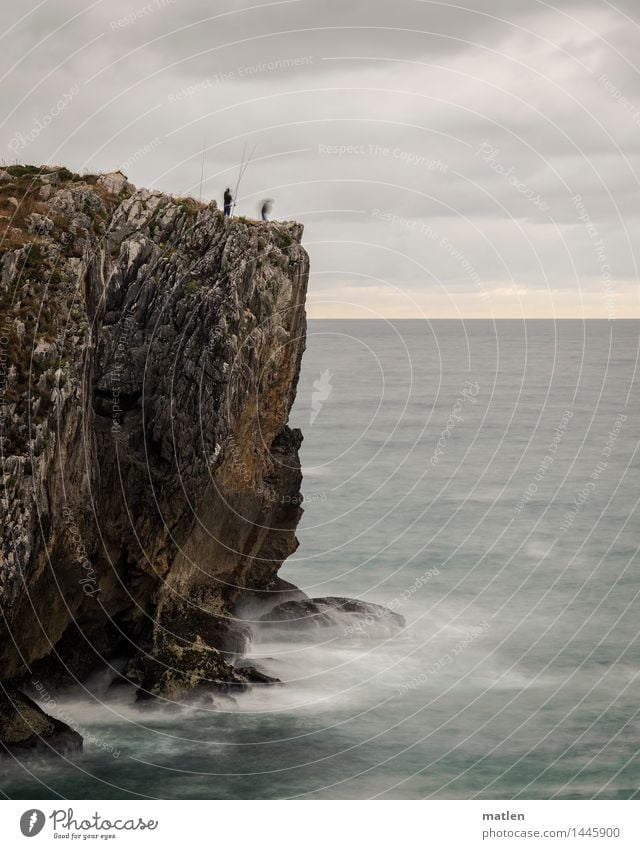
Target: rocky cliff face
x,y
149,355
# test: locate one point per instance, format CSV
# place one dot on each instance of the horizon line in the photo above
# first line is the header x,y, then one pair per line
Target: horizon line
x,y
464,318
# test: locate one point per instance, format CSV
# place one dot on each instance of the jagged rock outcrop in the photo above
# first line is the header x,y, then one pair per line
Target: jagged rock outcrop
x,y
149,356
26,728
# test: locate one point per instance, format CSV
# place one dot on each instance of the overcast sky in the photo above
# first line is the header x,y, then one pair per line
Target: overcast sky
x,y
447,160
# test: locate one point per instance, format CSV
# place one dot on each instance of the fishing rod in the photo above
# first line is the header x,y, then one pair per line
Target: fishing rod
x,y
244,163
204,147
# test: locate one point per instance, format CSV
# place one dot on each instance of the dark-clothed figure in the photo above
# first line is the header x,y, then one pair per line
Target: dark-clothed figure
x,y
266,209
228,201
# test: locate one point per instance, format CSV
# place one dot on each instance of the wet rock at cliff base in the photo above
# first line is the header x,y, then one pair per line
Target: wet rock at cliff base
x,y
194,649
255,676
351,617
245,678
306,614
255,604
251,671
226,634
280,591
25,727
175,668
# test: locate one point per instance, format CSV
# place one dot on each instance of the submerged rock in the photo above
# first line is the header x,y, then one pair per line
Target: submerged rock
x,y
255,676
25,727
251,671
353,617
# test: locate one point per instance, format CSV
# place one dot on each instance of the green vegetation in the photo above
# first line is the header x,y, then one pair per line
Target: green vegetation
x,y
190,205
192,286
40,447
285,239
25,170
41,170
42,364
34,257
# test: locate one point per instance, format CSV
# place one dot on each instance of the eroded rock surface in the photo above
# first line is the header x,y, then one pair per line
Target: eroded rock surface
x,y
150,354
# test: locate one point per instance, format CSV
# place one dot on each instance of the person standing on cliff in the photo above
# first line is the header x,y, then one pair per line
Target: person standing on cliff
x,y
228,201
266,209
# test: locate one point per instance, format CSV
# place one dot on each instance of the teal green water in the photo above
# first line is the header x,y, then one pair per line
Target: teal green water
x,y
483,480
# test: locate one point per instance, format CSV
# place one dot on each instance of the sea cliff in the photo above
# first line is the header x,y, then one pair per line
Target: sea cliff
x,y
149,356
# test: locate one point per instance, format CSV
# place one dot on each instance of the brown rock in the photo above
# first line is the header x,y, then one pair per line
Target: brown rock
x,y
25,727
165,483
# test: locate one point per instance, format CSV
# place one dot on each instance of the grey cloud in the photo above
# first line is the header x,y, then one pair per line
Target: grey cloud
x,y
160,77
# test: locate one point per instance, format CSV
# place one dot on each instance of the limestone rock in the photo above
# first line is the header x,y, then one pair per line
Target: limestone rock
x,y
114,182
151,479
40,225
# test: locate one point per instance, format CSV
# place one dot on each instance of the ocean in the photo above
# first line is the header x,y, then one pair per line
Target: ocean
x,y
482,479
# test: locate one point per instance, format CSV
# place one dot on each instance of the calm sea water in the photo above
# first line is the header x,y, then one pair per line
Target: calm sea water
x,y
482,478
